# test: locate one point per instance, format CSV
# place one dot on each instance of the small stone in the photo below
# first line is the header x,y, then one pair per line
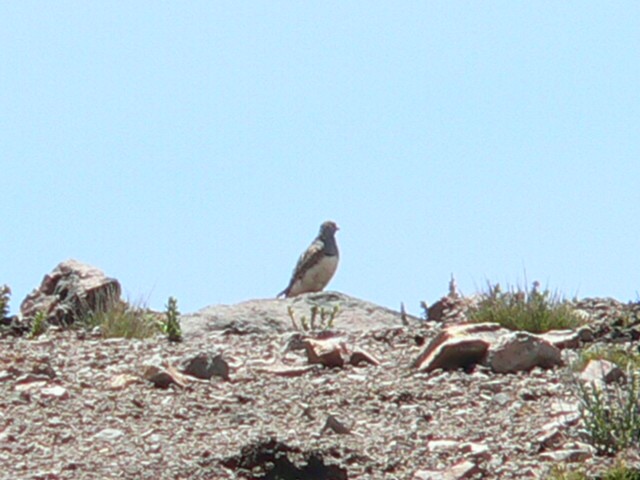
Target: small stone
x,y
109,434
599,371
570,456
56,391
285,371
460,471
122,381
324,352
205,366
502,398
362,356
163,377
476,450
586,334
427,475
441,445
335,425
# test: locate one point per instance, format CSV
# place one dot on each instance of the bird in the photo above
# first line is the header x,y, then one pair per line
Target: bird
x,y
316,265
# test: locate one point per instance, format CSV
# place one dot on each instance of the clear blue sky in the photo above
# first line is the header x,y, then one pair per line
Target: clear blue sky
x,y
193,148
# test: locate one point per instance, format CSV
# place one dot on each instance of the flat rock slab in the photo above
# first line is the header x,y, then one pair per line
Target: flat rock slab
x,y
272,315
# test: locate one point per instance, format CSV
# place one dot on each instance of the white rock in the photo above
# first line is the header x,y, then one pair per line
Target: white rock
x,y
55,392
109,434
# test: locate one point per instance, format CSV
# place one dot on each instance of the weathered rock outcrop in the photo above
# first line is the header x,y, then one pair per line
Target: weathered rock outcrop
x,y
504,351
70,291
272,316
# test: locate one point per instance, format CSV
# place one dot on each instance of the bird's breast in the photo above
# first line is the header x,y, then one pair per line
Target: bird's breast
x,y
316,277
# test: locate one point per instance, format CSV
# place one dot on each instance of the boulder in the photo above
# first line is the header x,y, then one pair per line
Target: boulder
x,y
462,346
521,351
69,292
274,315
458,346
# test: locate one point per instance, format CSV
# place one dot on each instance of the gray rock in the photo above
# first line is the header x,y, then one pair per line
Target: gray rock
x,y
272,315
325,352
521,351
206,365
109,434
568,455
461,470
601,371
163,376
462,346
458,346
69,292
563,338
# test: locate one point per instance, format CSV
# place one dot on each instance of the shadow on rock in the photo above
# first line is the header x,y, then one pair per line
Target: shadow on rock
x,y
273,460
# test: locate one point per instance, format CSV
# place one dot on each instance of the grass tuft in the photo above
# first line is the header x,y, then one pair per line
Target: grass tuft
x,y
611,414
619,471
622,357
531,310
118,319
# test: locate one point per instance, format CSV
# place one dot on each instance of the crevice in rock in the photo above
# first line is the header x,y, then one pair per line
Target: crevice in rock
x,y
273,460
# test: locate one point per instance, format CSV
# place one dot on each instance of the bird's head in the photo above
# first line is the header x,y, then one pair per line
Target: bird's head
x,y
328,229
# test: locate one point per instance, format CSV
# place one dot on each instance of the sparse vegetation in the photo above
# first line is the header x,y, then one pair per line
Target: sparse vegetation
x,y
5,294
118,319
171,326
38,325
617,472
532,310
612,414
623,357
319,319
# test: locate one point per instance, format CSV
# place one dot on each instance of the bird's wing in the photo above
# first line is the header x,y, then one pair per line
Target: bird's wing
x,y
308,259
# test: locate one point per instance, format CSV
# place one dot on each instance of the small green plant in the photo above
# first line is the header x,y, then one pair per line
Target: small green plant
x,y
118,319
619,471
39,325
5,294
622,357
611,414
171,325
320,319
425,310
561,472
532,310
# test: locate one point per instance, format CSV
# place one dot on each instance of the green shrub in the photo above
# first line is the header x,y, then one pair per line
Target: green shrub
x,y
611,414
39,325
617,472
171,325
533,311
319,319
5,294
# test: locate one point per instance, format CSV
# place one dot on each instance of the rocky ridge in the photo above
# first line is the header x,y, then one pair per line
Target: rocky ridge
x,y
245,395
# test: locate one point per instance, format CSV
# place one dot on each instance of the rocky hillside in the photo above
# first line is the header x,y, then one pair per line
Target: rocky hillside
x,y
376,395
